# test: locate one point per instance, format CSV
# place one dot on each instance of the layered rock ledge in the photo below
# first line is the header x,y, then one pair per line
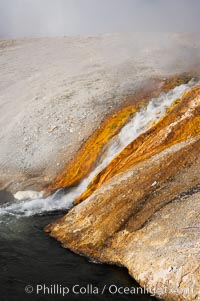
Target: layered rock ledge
x,y
145,216
59,97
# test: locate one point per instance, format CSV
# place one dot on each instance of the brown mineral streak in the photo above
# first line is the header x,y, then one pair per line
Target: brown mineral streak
x,y
85,159
157,138
165,169
126,221
141,200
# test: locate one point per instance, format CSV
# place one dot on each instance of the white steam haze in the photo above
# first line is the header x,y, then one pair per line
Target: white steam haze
x,y
37,18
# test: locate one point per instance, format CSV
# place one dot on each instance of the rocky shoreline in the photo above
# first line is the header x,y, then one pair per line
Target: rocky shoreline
x,y
140,216
60,100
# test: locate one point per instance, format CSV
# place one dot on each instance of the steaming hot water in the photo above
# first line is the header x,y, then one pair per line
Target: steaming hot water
x,y
28,256
138,124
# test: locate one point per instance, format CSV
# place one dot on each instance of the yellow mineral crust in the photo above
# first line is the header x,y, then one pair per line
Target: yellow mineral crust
x,y
87,156
145,216
180,123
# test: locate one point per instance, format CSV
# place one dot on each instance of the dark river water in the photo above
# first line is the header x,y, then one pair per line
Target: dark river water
x,y
29,257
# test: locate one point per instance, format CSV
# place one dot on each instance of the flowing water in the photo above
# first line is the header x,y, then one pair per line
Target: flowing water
x,y
30,257
139,123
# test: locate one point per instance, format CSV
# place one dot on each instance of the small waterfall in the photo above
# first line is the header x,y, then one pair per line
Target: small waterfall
x,y
138,124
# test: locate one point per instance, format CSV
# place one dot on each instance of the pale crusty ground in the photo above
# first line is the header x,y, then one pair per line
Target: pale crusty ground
x,y
156,238
166,255
55,91
53,94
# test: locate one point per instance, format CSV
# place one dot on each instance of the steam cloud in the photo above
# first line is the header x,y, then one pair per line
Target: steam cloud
x,y
34,18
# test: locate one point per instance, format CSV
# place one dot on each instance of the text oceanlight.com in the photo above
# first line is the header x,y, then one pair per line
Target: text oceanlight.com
x,y
90,289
